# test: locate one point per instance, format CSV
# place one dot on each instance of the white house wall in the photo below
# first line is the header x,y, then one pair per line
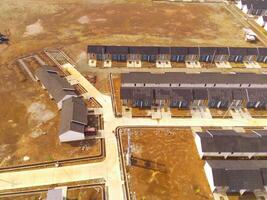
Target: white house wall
x,y
209,176
71,136
198,145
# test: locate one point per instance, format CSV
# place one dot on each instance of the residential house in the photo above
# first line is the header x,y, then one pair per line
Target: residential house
x,y
57,86
262,20
207,54
73,120
236,176
229,143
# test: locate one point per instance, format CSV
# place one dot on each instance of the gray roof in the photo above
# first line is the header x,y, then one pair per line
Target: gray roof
x,y
55,194
154,50
259,94
73,115
200,94
197,78
57,86
239,174
217,94
220,94
232,141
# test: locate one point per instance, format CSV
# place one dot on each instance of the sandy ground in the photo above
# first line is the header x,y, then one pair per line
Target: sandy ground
x,y
75,24
29,123
174,148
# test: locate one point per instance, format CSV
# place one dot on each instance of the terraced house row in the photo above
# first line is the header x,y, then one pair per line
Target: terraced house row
x,y
184,90
164,56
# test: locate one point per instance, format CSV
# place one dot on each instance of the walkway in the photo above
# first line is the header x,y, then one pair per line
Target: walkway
x,y
109,169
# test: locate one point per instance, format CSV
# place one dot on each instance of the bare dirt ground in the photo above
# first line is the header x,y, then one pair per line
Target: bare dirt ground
x,y
94,193
29,123
75,24
184,177
84,193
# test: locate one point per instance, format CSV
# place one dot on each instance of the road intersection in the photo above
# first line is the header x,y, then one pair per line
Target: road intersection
x,y
110,168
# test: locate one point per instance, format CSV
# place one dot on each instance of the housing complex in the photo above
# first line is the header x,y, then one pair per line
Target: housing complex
x,y
253,7
184,90
237,176
230,143
134,56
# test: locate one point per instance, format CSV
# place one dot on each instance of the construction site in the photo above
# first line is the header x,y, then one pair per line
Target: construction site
x,y
154,172
110,151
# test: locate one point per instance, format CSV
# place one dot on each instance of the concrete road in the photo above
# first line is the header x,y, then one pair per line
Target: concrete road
x,y
110,168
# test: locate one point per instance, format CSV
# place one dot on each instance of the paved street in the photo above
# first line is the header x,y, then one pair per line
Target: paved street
x,y
109,169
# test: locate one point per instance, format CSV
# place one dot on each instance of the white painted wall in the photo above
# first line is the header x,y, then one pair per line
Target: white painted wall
x,y
209,176
71,136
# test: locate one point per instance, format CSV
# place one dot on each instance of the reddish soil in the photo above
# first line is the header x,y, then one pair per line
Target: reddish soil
x,y
32,134
175,148
132,22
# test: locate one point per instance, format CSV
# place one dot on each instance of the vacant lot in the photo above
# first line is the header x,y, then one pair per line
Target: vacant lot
x,y
29,123
80,193
174,150
74,24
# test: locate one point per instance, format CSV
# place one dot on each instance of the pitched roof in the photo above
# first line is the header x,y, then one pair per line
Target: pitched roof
x,y
256,94
239,174
117,49
257,4
262,51
219,94
57,86
73,115
200,94
222,51
164,50
197,78
193,50
97,49
150,50
232,141
207,50
179,50
238,51
264,18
